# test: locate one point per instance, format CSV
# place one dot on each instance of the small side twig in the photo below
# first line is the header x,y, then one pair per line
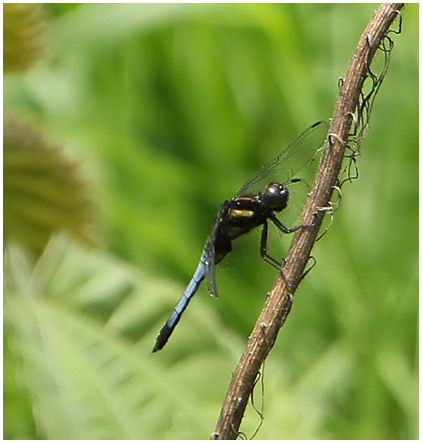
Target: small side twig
x,y
280,298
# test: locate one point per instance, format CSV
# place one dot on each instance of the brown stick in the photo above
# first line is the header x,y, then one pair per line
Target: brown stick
x,y
280,298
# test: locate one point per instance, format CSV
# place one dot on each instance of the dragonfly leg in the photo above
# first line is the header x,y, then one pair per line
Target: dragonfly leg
x,y
263,249
283,228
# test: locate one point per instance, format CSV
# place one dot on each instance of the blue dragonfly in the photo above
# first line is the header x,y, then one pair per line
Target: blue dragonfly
x,y
265,194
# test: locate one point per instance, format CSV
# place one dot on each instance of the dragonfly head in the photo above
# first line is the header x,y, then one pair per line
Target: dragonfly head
x,y
275,196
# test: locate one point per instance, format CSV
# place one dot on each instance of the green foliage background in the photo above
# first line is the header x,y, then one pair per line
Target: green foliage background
x,y
169,108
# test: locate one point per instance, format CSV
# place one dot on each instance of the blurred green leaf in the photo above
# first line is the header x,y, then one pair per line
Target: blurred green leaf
x,y
83,327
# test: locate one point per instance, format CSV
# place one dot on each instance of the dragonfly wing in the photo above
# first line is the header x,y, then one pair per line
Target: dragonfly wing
x,y
209,255
298,193
210,267
296,156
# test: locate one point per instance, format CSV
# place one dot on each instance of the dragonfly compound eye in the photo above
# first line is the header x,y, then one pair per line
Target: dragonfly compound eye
x,y
275,196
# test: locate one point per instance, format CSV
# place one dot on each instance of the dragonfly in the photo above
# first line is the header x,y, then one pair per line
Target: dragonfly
x,y
257,203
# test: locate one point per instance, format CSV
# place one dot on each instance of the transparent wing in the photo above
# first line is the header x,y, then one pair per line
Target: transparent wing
x,y
209,255
210,269
299,153
298,193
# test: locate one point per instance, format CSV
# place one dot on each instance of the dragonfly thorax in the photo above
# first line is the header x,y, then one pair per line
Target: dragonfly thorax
x,y
275,196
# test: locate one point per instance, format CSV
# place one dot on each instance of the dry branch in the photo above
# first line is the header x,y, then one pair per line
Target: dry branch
x,y
280,298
